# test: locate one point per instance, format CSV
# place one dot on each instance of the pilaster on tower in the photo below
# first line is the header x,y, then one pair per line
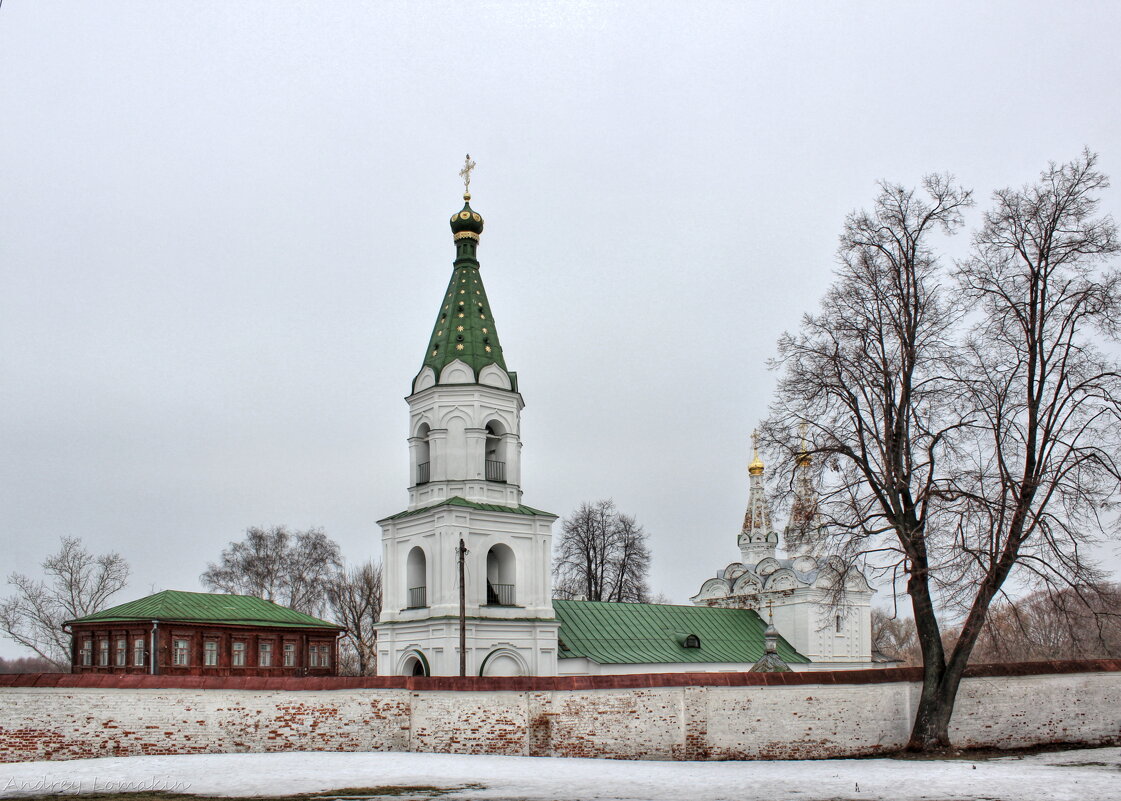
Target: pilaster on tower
x,y
758,539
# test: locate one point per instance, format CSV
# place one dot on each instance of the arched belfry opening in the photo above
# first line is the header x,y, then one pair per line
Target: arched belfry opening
x,y
501,572
496,452
423,455
416,573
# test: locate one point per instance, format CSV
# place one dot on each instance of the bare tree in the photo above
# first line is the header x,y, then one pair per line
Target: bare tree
x,y
602,555
291,568
951,461
867,381
28,664
355,599
895,637
1071,623
1041,465
78,584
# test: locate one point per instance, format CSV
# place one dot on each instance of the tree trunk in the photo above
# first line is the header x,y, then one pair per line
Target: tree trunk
x,y
931,730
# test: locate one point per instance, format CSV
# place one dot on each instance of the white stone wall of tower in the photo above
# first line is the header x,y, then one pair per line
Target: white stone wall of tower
x,y
448,428
465,446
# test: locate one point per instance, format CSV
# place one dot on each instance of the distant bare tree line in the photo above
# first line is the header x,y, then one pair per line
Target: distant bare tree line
x,y
1072,623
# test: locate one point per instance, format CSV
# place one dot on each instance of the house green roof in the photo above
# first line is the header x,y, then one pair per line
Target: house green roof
x,y
620,633
455,500
464,326
205,607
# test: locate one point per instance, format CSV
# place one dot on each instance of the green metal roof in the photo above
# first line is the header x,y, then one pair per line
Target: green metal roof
x,y
619,633
455,500
464,327
205,607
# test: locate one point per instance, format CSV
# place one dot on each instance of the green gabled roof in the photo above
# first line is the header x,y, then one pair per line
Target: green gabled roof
x,y
206,607
464,326
619,633
455,500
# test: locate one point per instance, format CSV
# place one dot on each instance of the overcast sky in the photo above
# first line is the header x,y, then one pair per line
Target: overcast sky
x,y
224,240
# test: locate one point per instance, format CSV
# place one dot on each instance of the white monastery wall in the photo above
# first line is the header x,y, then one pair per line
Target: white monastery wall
x,y
699,719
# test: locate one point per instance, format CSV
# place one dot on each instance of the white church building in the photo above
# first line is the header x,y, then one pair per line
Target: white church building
x,y
800,591
465,517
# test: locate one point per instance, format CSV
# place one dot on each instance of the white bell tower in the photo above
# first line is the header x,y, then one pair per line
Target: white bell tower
x,y
465,486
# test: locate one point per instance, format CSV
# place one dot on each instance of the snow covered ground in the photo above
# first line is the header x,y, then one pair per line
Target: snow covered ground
x,y
1083,775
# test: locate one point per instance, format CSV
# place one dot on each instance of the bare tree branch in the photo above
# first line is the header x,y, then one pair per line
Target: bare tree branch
x,y
78,584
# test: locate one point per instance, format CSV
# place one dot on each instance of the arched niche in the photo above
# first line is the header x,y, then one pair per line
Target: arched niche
x,y
503,662
501,576
425,378
746,584
783,579
713,588
416,578
733,571
767,566
494,376
457,373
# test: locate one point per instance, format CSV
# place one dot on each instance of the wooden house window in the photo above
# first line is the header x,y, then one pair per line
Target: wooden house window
x,y
182,652
122,652
87,652
238,654
104,659
264,654
210,653
138,652
289,654
320,656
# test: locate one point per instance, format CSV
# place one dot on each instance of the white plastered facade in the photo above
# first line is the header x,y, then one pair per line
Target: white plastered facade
x,y
462,430
833,630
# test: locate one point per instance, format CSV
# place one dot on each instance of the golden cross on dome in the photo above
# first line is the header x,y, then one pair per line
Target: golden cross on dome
x,y
465,173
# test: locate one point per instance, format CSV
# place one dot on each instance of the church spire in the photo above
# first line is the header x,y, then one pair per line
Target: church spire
x,y
801,532
464,329
757,539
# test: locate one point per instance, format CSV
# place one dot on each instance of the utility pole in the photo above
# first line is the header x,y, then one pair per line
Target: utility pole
x,y
462,551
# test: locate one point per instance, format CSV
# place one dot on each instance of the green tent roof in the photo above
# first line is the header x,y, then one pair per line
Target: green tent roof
x,y
455,500
619,633
205,607
464,326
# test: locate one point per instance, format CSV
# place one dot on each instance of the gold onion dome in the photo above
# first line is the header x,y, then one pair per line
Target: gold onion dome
x,y
467,222
756,467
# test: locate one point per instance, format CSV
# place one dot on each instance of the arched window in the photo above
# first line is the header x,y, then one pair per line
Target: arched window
x,y
500,576
423,455
495,452
417,576
692,641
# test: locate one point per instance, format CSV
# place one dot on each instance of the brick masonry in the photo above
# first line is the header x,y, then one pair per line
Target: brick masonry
x,y
637,716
